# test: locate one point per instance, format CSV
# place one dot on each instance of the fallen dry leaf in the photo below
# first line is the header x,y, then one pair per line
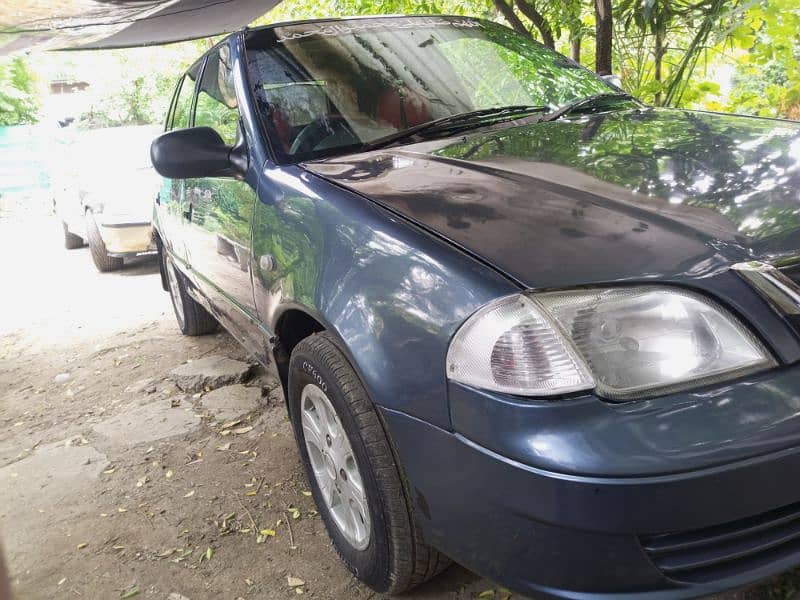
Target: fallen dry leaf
x,y
134,591
294,581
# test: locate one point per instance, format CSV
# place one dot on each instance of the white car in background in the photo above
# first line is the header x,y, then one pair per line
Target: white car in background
x,y
105,193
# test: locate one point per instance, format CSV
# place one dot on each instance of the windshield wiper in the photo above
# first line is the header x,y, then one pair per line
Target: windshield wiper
x,y
473,117
588,101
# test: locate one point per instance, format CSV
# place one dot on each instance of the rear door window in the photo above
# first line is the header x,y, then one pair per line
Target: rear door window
x,y
183,105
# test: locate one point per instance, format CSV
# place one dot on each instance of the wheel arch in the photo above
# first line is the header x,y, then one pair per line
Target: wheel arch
x,y
296,322
292,326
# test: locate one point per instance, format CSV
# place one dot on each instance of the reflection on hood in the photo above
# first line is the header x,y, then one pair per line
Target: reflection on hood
x,y
611,196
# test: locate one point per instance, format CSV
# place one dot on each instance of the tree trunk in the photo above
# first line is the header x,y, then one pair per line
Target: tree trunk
x,y
538,20
604,31
575,49
658,56
512,18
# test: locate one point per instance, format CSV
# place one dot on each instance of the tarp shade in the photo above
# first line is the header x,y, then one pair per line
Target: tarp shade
x,y
97,24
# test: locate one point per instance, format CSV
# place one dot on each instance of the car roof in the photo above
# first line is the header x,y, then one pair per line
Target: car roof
x,y
251,30
354,18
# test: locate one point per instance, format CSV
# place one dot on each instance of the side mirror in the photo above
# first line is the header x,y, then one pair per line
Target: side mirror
x,y
194,152
613,80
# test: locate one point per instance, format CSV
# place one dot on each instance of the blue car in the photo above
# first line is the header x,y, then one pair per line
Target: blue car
x,y
522,320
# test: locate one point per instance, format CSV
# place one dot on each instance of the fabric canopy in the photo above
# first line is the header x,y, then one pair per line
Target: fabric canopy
x,y
97,24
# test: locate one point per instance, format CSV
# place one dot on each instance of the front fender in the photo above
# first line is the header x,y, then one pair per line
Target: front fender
x,y
392,293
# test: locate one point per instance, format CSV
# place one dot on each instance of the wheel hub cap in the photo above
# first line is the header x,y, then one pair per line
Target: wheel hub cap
x,y
334,466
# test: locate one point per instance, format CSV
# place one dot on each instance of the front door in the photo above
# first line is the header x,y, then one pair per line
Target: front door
x,y
172,202
218,222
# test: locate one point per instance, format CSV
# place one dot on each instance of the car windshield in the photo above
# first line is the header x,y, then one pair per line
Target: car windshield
x,y
331,87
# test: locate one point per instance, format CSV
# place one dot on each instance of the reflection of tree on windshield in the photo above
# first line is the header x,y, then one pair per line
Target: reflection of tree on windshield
x,y
508,69
385,79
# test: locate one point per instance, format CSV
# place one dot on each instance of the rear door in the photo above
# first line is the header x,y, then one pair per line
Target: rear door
x,y
172,204
218,230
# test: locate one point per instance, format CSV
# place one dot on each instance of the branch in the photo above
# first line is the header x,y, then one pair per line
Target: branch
x,y
511,17
537,18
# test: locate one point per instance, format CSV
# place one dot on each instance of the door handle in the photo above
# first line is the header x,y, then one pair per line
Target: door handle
x,y
187,214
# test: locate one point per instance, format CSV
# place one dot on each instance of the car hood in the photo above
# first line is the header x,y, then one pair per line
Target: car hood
x,y
619,196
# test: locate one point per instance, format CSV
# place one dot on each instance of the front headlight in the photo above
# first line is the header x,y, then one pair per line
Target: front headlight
x,y
622,342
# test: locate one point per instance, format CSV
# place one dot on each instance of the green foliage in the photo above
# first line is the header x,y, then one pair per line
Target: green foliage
x,y
661,42
19,99
767,81
141,100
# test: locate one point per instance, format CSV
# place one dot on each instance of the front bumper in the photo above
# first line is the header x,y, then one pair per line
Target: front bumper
x,y
569,535
126,239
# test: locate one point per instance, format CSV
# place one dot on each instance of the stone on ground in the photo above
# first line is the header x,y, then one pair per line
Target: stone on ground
x,y
143,385
147,423
232,401
209,373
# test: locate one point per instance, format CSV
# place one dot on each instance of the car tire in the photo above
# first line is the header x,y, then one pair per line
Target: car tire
x,y
193,319
71,241
371,525
97,247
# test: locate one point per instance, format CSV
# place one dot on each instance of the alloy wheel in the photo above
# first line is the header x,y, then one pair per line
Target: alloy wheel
x,y
334,465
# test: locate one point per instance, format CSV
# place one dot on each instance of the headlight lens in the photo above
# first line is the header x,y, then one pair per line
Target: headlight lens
x,y
512,346
624,342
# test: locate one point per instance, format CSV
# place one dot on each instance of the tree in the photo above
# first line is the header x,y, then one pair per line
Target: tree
x,y
19,99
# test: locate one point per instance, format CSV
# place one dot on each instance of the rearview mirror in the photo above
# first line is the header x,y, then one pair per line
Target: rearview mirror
x,y
194,152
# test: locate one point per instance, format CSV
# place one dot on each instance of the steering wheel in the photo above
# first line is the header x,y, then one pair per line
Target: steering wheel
x,y
320,130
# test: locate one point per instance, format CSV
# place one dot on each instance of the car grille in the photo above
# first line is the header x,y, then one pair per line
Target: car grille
x,y
714,553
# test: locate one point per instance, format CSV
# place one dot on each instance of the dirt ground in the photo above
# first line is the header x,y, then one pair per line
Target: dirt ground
x,y
115,484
